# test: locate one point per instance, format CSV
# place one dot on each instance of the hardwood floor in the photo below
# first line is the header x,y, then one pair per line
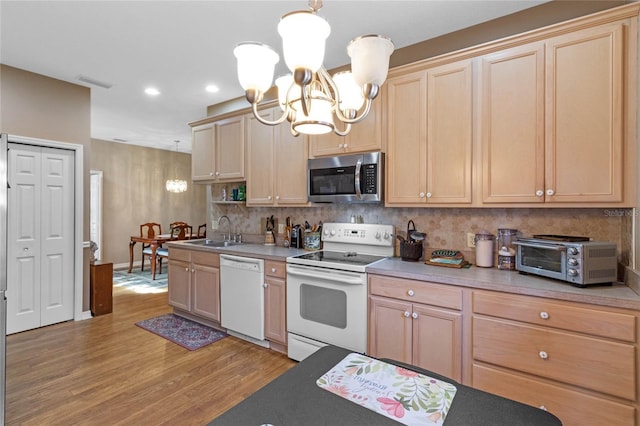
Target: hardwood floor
x,y
108,371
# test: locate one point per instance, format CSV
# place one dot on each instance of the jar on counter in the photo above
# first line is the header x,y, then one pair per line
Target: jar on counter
x,y
485,243
506,250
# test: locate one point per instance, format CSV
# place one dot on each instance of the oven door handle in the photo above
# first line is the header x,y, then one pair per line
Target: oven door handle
x,y
541,246
322,274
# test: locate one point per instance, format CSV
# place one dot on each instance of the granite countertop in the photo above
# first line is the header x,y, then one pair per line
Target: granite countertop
x,y
616,295
277,253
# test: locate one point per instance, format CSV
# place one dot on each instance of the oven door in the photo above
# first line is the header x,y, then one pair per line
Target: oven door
x,y
547,260
327,306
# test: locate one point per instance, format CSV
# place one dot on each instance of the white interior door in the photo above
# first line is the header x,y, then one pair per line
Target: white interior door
x,y
40,288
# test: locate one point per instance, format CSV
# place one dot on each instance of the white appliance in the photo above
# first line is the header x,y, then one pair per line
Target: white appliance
x,y
327,289
4,196
242,297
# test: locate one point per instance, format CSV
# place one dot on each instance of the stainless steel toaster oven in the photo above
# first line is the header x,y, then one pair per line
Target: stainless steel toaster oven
x,y
575,260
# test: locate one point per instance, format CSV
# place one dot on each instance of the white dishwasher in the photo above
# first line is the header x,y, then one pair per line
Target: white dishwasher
x,y
242,297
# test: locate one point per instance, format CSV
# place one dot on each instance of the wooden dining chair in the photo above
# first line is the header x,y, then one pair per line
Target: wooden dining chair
x,y
202,231
178,232
148,230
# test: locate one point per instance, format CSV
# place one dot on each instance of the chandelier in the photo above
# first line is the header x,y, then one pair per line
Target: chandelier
x,y
311,99
176,185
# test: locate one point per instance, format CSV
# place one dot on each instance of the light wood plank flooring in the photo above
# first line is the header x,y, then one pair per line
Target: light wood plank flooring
x,y
108,371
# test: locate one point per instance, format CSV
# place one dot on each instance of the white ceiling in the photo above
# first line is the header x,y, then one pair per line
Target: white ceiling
x,y
182,46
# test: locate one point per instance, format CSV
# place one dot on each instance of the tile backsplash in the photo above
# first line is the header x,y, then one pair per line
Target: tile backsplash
x,y
446,228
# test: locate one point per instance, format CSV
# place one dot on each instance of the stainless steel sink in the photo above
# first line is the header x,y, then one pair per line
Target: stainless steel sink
x,y
211,243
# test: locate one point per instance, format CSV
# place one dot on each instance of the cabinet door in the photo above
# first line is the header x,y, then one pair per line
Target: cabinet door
x,y
260,160
230,148
290,167
179,283
390,329
584,121
275,325
364,136
206,291
512,125
202,152
437,340
406,104
449,133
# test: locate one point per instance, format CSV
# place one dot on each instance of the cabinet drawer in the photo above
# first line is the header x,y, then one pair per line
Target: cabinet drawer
x,y
601,365
560,401
554,314
179,254
205,258
275,269
416,291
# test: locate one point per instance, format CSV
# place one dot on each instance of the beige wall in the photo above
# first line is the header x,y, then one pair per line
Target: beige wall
x,y
36,106
134,193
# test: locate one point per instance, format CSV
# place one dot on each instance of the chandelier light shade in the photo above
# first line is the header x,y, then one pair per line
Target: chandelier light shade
x,y
313,101
176,185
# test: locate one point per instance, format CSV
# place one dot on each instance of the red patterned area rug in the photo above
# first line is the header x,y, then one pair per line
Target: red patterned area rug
x,y
186,333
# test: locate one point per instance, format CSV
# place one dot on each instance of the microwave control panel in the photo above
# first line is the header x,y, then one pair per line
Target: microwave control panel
x,y
369,178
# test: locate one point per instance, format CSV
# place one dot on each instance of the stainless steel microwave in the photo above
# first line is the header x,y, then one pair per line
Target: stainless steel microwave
x,y
356,178
579,262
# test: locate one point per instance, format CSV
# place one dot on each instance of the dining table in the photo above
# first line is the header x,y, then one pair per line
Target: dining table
x,y
154,243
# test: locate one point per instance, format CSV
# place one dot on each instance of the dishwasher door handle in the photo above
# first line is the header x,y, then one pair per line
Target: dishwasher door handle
x,y
238,262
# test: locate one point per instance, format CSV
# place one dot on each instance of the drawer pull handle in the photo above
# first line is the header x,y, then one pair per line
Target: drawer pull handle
x,y
273,270
543,355
406,314
410,293
542,407
414,315
544,315
265,285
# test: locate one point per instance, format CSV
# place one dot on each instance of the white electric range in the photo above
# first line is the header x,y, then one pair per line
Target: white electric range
x,y
327,289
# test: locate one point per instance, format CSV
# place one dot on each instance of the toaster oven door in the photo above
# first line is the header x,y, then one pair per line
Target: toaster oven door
x,y
548,260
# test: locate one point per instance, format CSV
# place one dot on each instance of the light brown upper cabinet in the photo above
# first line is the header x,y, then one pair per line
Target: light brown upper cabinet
x,y
364,136
218,151
276,163
429,130
552,120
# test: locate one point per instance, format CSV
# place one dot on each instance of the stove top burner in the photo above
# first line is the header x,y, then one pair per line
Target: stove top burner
x,y
351,257
564,238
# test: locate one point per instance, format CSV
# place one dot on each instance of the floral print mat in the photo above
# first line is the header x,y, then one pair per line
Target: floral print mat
x,y
403,395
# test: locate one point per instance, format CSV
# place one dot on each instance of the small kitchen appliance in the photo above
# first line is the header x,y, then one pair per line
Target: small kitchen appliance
x,y
327,289
356,178
573,259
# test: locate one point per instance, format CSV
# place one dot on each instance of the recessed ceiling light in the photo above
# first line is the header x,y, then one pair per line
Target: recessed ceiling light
x,y
212,89
151,91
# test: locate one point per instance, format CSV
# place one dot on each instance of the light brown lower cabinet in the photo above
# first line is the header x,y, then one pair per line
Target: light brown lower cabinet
x,y
194,283
578,361
275,309
416,322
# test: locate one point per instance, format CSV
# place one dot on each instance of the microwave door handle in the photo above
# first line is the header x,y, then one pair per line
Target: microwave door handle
x,y
541,246
357,179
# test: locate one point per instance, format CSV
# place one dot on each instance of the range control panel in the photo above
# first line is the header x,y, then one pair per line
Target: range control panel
x,y
358,233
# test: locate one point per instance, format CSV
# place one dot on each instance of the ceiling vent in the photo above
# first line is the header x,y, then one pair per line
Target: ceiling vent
x,y
94,82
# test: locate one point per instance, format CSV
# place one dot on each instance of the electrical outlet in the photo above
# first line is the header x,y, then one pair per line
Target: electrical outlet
x,y
280,228
471,240
214,225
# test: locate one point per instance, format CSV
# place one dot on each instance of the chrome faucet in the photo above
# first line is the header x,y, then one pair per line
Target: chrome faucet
x,y
225,237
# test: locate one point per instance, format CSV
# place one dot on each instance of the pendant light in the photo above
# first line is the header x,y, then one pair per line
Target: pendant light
x,y
176,185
